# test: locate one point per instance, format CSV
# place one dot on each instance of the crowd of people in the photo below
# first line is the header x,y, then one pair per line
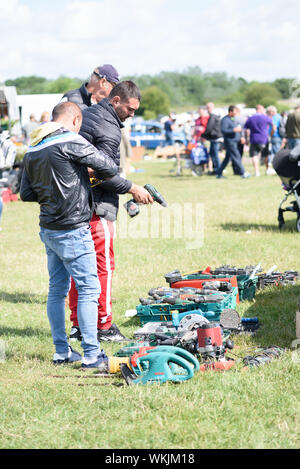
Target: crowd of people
x,y
261,135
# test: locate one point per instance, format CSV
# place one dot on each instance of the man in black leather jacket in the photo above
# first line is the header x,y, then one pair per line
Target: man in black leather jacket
x,y
101,82
101,126
56,176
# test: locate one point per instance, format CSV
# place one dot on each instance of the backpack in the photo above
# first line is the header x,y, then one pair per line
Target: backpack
x,y
8,151
281,128
199,154
213,129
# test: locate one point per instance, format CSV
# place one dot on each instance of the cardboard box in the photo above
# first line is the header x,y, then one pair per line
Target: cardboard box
x,y
137,153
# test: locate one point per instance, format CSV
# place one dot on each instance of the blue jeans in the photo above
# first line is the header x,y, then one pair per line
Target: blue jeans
x,y
293,142
275,147
214,154
233,154
169,139
72,253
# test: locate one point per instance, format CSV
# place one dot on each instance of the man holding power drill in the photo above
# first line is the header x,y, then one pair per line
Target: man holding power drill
x,y
101,126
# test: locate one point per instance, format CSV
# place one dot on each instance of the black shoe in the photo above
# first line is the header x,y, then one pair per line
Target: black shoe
x,y
75,334
111,335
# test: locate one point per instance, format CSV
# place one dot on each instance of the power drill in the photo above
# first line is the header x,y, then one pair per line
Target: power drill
x,y
132,206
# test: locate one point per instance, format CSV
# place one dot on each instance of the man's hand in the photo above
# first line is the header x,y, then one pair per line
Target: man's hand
x,y
140,194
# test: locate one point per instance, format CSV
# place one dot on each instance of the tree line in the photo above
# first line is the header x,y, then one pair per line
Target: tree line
x,y
171,91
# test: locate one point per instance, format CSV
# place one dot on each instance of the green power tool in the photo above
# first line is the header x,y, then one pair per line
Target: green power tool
x,y
159,365
132,207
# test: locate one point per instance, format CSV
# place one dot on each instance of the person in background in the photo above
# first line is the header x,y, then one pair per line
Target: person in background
x,y
257,126
187,130
293,128
169,128
100,84
232,134
200,124
282,128
240,121
29,127
45,117
213,133
275,138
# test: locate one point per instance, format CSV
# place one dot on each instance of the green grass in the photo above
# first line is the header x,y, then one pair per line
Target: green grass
x,y
43,406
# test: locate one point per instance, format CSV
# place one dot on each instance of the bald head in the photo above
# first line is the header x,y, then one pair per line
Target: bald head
x,y
210,107
69,115
260,109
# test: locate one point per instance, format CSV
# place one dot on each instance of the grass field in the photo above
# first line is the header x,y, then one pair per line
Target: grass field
x,y
43,406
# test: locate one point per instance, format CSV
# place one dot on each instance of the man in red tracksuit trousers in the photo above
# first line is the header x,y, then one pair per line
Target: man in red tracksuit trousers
x,y
101,126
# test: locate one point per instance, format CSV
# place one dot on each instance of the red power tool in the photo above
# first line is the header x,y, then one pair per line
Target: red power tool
x,y
211,347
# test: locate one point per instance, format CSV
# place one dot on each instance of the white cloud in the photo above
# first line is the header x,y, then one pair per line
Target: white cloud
x,y
13,11
256,41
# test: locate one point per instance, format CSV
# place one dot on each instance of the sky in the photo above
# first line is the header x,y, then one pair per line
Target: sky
x,y
256,40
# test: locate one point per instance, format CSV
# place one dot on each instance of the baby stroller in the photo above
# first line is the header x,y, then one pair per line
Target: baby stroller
x,y
287,165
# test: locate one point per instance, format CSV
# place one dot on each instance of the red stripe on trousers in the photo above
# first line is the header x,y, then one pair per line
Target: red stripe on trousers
x,y
102,233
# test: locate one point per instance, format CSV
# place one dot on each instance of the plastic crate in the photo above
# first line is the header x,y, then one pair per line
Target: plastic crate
x,y
246,286
163,311
197,280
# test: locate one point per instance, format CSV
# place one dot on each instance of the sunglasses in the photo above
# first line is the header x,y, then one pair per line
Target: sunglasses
x,y
104,76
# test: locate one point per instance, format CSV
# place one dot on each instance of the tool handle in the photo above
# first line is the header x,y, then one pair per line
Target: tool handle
x,y
159,367
155,194
177,351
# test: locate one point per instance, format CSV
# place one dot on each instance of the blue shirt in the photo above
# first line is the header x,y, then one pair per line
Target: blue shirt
x,y
276,119
168,126
227,125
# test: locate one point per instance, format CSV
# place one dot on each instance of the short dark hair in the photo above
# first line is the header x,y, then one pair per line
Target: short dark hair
x,y
125,90
231,108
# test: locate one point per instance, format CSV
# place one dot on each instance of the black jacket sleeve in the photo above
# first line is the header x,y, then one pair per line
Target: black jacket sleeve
x,y
117,184
85,154
26,192
105,136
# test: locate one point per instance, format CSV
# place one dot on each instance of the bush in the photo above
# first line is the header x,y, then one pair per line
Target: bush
x,y
261,93
155,101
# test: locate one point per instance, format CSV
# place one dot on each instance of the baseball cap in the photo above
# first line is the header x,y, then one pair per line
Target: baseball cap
x,y
107,71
